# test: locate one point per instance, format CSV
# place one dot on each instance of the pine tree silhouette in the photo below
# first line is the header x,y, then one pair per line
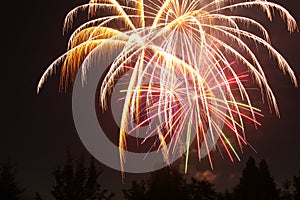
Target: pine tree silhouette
x,y
256,183
296,184
285,192
169,183
9,188
76,182
267,189
138,191
202,190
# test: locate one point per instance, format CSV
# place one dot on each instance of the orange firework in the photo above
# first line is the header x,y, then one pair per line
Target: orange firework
x,y
179,53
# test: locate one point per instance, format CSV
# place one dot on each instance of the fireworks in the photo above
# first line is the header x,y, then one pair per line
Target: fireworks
x,y
180,55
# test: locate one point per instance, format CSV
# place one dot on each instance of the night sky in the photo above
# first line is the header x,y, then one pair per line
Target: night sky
x,y
37,129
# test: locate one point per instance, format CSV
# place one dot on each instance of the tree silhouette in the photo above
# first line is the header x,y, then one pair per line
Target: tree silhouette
x,y
290,189
226,196
38,196
296,184
78,182
256,183
169,183
248,182
9,188
202,190
267,186
138,191
285,192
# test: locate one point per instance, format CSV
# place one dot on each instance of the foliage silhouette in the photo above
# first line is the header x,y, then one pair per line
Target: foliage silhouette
x,y
169,183
38,196
296,184
256,183
202,190
138,191
9,188
75,181
226,195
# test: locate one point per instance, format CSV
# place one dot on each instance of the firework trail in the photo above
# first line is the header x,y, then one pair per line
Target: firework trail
x,y
180,55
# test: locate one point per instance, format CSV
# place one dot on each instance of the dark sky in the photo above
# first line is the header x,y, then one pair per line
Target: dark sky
x,y
38,128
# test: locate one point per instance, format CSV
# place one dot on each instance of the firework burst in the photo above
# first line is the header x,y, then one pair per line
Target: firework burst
x,y
180,56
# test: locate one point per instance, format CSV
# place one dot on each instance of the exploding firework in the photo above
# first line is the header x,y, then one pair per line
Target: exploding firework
x,y
180,55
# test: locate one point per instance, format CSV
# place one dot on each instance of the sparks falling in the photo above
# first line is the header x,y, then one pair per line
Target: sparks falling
x,y
179,54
